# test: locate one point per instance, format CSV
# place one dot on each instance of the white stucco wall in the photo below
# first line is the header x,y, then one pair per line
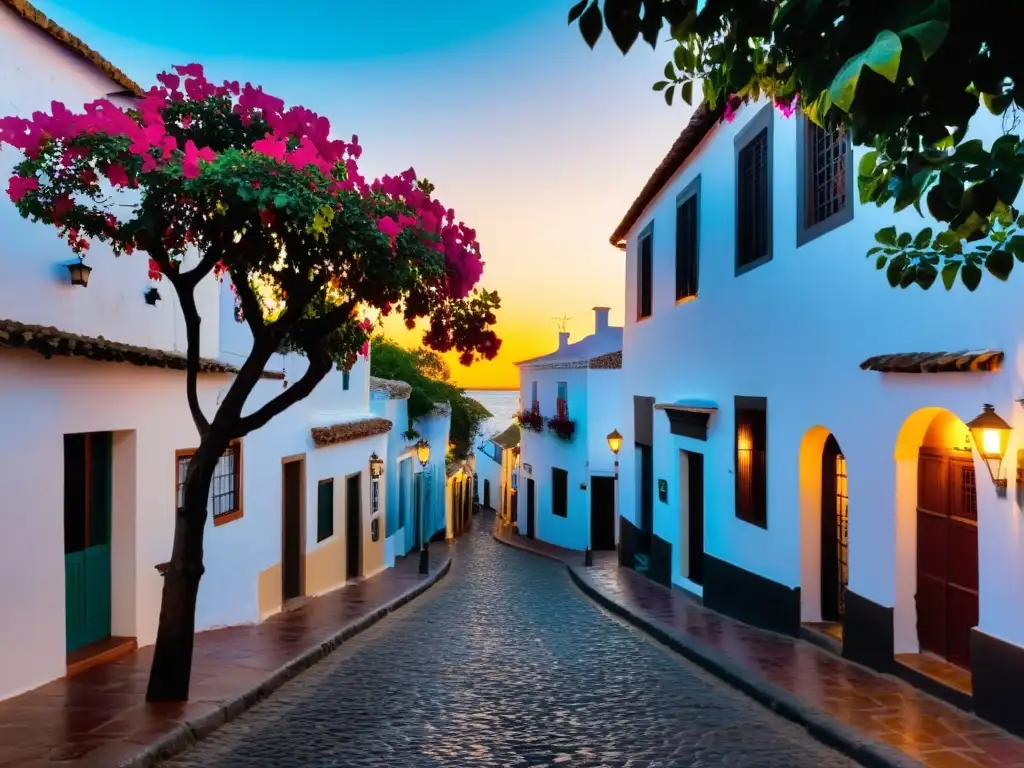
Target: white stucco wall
x,y
489,470
794,330
36,288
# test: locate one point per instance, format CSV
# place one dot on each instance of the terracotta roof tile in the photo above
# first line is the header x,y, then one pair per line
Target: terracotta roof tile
x,y
49,341
701,122
935,362
396,389
611,361
37,18
350,430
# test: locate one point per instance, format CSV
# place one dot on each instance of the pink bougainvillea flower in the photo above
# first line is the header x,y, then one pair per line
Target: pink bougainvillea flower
x,y
389,227
189,70
788,108
19,186
730,111
186,121
168,80
61,206
190,164
117,175
271,146
268,217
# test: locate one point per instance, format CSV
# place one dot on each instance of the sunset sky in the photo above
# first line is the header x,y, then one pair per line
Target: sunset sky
x,y
536,141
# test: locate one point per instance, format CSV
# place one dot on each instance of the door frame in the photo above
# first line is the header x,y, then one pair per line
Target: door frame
x,y
301,458
359,521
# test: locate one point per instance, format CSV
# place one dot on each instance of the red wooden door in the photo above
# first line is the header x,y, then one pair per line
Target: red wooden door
x,y
947,555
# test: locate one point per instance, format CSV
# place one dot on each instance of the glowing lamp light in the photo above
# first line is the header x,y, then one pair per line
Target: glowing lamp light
x,y
79,273
991,435
376,465
615,441
423,452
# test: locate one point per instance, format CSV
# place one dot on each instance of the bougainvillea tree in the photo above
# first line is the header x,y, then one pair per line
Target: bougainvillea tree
x,y
224,180
906,77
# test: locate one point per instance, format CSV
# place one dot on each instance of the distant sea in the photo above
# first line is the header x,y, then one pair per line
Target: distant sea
x,y
502,405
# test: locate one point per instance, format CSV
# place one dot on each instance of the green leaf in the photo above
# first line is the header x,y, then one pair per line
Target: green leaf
x,y
1016,247
894,274
669,92
949,273
577,10
904,240
680,58
281,200
882,57
875,249
867,164
971,276
925,275
670,73
999,264
996,104
687,92
880,261
924,238
972,152
591,24
815,110
886,236
661,85
930,35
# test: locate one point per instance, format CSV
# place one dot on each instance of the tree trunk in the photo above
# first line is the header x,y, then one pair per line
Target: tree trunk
x,y
170,674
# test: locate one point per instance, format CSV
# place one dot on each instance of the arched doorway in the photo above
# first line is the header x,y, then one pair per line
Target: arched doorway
x,y
835,506
947,541
824,516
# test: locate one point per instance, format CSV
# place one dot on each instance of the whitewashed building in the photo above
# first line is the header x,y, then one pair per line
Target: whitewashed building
x,y
796,449
570,400
488,456
98,432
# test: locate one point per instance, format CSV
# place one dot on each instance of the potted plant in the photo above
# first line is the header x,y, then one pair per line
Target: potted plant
x,y
531,420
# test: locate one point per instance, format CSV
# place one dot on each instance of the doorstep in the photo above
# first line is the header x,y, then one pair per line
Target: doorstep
x,y
100,717
100,652
827,635
936,676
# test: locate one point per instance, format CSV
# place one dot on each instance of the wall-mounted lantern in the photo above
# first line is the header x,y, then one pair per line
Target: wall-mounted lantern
x,y
423,452
615,443
376,465
990,435
79,273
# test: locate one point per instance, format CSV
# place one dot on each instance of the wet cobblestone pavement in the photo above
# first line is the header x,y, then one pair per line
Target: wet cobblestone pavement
x,y
505,663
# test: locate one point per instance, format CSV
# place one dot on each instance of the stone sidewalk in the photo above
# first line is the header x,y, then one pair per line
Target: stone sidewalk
x,y
876,719
100,717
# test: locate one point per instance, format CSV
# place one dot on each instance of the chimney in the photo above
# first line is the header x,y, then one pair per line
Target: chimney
x,y
601,319
563,339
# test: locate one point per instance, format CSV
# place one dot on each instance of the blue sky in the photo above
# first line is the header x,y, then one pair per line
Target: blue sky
x,y
538,142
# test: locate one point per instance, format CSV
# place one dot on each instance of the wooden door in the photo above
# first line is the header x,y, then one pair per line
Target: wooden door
x,y
834,532
531,516
353,527
695,519
487,494
947,554
293,473
88,483
602,513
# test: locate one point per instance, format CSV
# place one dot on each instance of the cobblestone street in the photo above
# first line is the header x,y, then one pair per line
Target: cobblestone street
x,y
505,663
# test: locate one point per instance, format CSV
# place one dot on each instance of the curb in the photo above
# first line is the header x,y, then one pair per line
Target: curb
x,y
189,732
825,728
511,544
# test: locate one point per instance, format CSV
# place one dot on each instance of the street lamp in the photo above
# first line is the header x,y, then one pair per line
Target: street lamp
x,y
991,435
79,272
376,465
615,443
423,454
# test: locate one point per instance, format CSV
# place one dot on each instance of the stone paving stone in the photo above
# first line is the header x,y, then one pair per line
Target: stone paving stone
x,y
882,708
100,718
506,664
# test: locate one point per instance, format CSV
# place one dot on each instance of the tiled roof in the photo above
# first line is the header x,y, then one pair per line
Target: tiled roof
x,y
701,122
509,438
577,354
37,18
350,430
610,361
935,362
49,341
396,389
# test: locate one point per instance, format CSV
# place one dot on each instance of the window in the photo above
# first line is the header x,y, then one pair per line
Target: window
x,y
687,240
325,510
534,399
825,162
345,375
559,492
562,400
753,193
645,256
751,460
225,502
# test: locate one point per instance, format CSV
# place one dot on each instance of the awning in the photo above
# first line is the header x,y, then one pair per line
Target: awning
x,y
936,362
688,418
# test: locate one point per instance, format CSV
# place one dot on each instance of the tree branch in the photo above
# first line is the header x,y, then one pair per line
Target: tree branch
x,y
252,311
319,366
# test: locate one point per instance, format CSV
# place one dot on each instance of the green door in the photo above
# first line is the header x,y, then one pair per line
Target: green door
x,y
87,506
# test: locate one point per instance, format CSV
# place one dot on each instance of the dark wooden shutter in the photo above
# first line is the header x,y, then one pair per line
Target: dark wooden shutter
x,y
644,268
752,201
325,510
686,248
